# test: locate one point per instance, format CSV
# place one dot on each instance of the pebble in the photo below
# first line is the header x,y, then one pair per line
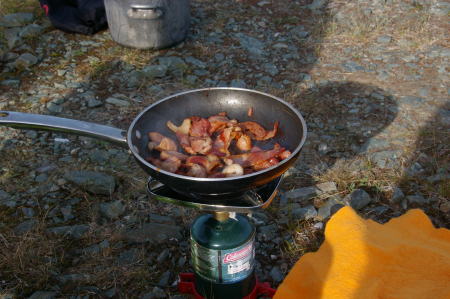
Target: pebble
x,y
129,256
16,19
25,227
117,102
164,279
384,39
74,231
325,210
397,195
31,30
305,213
94,103
94,182
276,274
417,199
43,295
358,199
153,232
25,61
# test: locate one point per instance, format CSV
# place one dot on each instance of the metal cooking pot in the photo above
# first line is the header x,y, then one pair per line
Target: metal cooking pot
x,y
200,102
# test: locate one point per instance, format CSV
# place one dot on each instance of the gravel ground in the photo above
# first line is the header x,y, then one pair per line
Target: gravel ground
x,y
370,77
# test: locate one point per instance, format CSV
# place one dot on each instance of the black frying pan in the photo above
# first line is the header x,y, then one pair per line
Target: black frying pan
x,y
199,102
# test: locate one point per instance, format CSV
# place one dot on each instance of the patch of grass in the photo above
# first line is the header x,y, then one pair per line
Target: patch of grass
x,y
304,239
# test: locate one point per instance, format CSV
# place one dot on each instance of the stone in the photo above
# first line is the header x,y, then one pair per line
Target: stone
x,y
43,295
268,232
276,274
271,68
173,63
325,210
238,83
352,67
305,213
155,71
67,213
163,256
164,279
94,182
6,200
445,206
74,231
386,159
253,45
93,103
54,108
12,37
358,199
117,102
397,195
417,199
112,210
25,227
73,277
25,60
196,62
27,212
412,100
130,256
16,19
15,83
299,31
305,193
384,39
153,233
160,219
31,30
440,8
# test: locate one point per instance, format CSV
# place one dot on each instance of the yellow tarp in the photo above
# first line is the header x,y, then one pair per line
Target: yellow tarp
x,y
404,258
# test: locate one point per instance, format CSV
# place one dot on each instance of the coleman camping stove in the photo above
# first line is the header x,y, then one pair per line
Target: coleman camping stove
x,y
222,243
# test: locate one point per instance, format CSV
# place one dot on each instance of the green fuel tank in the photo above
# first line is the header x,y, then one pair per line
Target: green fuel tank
x,y
223,255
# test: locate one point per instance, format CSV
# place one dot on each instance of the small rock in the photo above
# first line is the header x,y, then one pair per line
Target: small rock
x,y
397,195
414,169
195,62
31,30
94,182
318,225
358,199
276,274
160,219
325,210
67,213
164,280
384,39
15,83
93,103
238,83
163,256
41,178
305,213
74,277
75,231
112,210
16,19
155,71
317,4
412,100
6,200
271,68
117,102
27,212
25,60
172,63
110,293
445,206
252,45
153,233
54,108
417,199
440,8
43,295
156,293
46,168
130,256
386,159
25,227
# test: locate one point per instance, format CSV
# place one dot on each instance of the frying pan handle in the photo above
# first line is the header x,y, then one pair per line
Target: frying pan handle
x,y
66,125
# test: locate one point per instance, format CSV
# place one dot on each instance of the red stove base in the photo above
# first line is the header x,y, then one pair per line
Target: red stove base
x,y
187,286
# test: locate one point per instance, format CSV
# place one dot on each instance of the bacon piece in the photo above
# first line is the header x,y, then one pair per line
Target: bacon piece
x,y
222,142
161,142
209,162
250,112
244,143
218,122
257,132
199,127
233,170
201,145
164,155
284,155
196,170
266,164
183,129
171,164
185,143
253,158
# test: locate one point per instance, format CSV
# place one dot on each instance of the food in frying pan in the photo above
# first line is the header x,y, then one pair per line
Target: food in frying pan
x,y
215,147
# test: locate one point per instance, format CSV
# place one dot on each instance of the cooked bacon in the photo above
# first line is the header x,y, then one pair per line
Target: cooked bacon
x,y
284,155
183,129
233,170
201,145
155,137
265,164
164,155
161,142
199,127
244,143
257,132
222,142
250,112
171,164
196,170
253,158
185,143
209,162
217,123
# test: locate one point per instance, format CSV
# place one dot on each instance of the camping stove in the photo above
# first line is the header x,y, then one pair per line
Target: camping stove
x,y
222,243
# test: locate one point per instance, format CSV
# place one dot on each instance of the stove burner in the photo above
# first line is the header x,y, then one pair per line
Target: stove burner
x,y
245,203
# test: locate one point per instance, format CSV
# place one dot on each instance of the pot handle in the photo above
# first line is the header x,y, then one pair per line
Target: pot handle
x,y
147,12
30,121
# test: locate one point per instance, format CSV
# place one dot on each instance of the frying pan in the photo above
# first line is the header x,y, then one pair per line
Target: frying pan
x,y
200,102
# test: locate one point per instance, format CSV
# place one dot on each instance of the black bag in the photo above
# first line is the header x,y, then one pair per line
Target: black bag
x,y
77,16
